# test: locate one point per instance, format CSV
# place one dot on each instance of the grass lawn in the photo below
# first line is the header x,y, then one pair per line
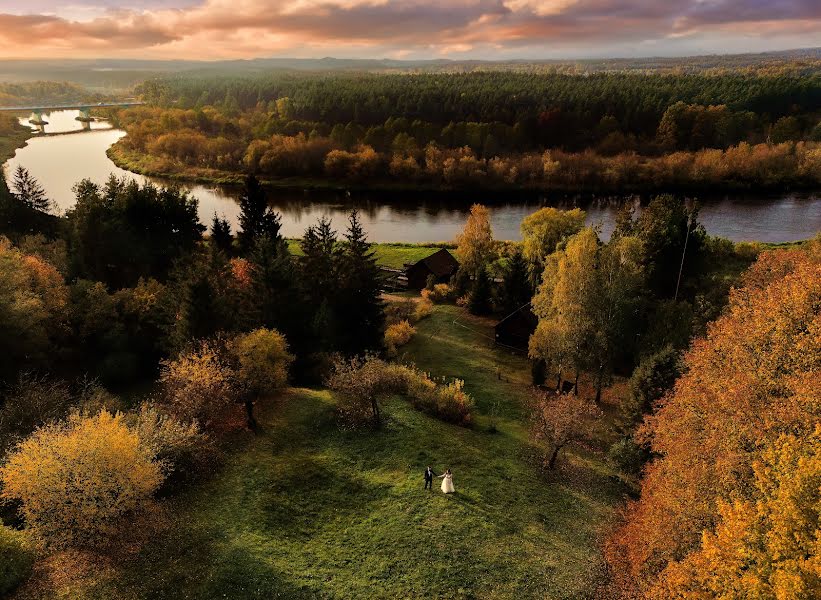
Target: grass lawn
x,y
305,510
393,256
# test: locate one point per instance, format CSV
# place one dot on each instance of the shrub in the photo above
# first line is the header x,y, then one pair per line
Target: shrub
x,y
31,402
76,481
181,448
199,384
397,335
423,309
441,292
16,560
446,401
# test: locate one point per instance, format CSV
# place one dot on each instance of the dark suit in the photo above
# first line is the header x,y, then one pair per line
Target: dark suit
x,y
429,474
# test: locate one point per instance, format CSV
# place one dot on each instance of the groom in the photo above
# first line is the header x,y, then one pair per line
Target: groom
x,y
429,474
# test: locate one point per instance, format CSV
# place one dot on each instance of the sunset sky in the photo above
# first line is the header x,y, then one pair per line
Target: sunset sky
x,y
488,29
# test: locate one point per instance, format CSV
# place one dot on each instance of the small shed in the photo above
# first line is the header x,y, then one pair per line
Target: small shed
x,y
516,328
441,264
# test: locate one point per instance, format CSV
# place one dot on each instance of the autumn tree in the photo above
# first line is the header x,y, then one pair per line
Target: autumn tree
x,y
542,232
559,419
263,361
752,380
766,547
33,302
362,383
199,383
475,246
78,480
565,303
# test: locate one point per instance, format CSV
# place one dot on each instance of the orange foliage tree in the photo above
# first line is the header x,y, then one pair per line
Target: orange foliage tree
x,y
719,441
76,481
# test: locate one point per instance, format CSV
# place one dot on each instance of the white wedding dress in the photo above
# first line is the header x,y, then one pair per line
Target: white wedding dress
x,y
447,484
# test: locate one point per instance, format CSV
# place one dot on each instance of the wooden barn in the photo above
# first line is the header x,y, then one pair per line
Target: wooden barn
x,y
516,328
441,264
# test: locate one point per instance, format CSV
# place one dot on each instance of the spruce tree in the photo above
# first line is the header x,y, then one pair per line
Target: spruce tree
x,y
360,299
221,237
29,191
479,303
516,290
256,218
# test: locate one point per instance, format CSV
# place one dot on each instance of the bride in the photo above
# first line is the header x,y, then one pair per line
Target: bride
x,y
447,482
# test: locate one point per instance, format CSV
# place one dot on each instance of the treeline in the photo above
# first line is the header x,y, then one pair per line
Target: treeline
x,y
44,92
207,143
603,132
529,111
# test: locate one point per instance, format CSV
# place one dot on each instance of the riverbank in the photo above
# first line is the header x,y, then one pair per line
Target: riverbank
x,y
11,140
602,175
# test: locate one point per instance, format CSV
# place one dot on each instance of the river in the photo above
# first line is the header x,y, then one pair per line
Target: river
x,y
67,152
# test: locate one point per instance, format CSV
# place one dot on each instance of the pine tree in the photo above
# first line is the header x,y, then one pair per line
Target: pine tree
x,y
29,191
480,294
516,290
320,281
221,236
256,218
360,300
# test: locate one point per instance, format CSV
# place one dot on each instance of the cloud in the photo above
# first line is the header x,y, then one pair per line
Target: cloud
x,y
253,28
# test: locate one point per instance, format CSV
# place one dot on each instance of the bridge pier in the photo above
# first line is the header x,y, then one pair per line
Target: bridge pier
x,y
36,118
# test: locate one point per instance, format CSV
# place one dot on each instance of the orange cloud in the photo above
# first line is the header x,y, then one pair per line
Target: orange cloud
x,y
253,28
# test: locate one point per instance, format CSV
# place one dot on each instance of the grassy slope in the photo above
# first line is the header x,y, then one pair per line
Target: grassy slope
x,y
388,255
305,510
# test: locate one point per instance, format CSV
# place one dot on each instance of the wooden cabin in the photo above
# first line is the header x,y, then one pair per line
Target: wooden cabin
x,y
441,264
516,328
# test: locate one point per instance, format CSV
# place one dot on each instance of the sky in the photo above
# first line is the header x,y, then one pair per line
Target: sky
x,y
409,29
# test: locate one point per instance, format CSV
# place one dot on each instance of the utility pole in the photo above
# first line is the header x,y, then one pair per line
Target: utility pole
x,y
683,253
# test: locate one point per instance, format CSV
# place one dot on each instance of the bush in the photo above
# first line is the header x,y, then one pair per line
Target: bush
x,y
397,335
446,401
16,560
199,384
78,480
181,448
441,292
31,402
424,308
628,456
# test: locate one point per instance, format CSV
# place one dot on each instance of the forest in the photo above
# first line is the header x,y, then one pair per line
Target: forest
x,y
588,132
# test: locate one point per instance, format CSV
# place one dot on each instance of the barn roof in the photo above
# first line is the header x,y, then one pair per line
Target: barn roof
x,y
440,263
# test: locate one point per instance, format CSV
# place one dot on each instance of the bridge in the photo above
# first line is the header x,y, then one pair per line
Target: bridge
x,y
84,108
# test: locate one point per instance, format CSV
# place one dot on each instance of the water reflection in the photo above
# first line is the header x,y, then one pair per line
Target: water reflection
x,y
59,161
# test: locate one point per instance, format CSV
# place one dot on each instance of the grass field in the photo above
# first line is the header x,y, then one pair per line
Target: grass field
x,y
305,510
389,255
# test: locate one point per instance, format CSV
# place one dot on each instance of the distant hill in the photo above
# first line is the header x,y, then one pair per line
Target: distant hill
x,y
118,74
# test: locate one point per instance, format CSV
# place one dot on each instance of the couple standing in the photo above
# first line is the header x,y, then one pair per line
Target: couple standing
x,y
446,477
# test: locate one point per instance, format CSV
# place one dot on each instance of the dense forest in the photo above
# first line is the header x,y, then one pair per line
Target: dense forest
x,y
601,131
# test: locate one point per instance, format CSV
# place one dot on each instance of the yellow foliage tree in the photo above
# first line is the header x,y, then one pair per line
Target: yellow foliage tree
x,y
475,244
76,481
263,362
767,548
200,383
541,233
